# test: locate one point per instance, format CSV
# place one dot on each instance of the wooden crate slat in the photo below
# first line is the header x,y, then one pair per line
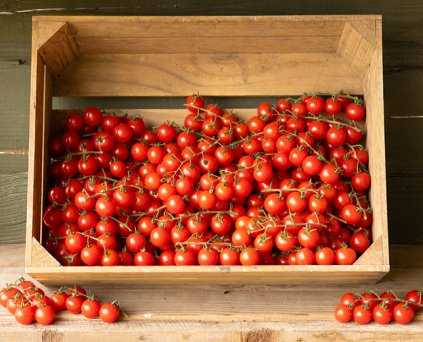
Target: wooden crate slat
x,y
375,141
35,164
294,26
211,45
211,75
59,51
355,49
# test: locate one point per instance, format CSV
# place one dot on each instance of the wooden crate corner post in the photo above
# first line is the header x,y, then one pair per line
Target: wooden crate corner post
x,y
361,46
53,49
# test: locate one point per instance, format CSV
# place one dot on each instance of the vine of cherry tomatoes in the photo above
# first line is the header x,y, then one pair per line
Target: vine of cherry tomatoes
x,y
382,309
28,303
289,186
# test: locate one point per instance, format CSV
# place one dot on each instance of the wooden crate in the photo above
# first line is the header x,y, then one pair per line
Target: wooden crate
x,y
217,56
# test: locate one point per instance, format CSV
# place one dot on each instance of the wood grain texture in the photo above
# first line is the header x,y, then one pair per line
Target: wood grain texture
x,y
234,312
201,45
59,49
13,161
207,26
211,75
14,105
370,64
355,49
13,207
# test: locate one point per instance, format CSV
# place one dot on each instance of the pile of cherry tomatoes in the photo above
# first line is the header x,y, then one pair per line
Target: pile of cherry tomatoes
x,y
28,303
382,309
289,186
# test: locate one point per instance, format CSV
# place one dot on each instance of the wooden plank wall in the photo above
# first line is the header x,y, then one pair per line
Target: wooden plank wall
x,y
403,85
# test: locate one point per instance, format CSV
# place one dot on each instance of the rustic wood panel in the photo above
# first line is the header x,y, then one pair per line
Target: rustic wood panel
x,y
214,74
14,105
200,45
222,312
13,207
13,161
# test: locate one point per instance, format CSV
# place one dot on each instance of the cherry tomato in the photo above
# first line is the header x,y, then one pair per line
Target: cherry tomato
x,y
403,313
355,112
415,296
362,314
92,117
6,294
74,303
249,256
45,315
333,106
343,314
345,256
228,257
25,314
305,256
194,103
325,256
315,105
382,314
109,312
185,258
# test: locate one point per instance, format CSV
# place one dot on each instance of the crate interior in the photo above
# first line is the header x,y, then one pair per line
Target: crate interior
x,y
159,61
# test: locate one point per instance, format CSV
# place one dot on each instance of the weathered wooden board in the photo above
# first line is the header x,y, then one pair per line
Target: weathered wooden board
x,y
223,312
13,207
216,74
14,105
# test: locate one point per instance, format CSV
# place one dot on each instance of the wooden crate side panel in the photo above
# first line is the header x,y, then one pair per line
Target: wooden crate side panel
x,y
40,256
373,96
355,49
211,75
264,275
47,108
220,26
35,175
374,255
128,19
60,50
206,45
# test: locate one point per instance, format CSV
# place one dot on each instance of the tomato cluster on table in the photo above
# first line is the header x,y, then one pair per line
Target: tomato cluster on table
x,y
382,308
28,303
288,186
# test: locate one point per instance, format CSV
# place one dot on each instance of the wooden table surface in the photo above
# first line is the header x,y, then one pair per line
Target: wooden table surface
x,y
221,312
